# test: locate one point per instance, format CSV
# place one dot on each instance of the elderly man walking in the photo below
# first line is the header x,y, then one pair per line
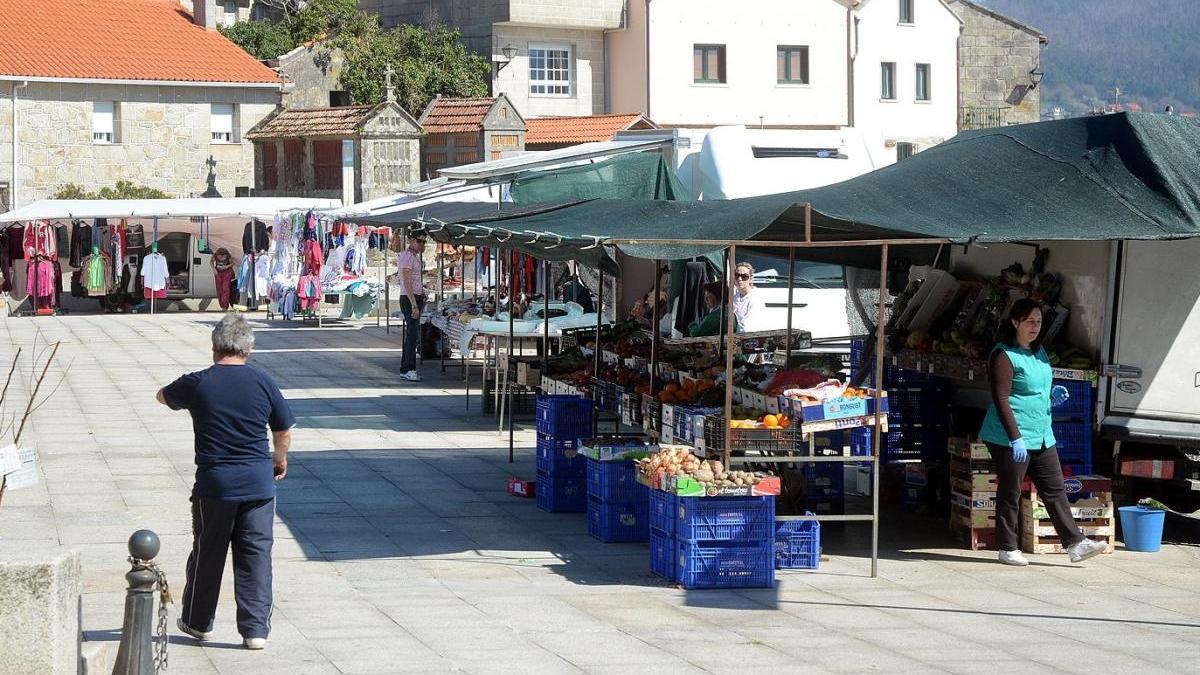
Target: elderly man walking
x,y
412,303
233,500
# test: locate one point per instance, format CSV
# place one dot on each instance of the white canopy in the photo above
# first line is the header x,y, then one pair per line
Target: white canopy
x,y
221,207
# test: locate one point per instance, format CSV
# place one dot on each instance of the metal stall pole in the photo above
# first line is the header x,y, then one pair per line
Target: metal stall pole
x,y
387,285
441,300
876,432
730,320
726,297
546,312
596,350
462,273
154,240
654,331
791,287
508,390
466,361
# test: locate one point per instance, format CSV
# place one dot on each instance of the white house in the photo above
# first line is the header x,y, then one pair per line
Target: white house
x,y
905,74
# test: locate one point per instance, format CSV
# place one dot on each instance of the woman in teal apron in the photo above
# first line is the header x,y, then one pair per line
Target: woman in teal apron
x,y
1019,435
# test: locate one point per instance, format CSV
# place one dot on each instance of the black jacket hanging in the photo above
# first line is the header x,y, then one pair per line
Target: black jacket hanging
x,y
258,243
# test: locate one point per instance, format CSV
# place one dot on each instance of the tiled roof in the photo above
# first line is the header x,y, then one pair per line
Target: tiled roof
x,y
583,129
118,40
448,115
310,122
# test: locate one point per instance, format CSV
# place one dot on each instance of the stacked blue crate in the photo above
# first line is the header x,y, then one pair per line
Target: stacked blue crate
x,y
725,542
618,507
561,471
918,414
798,545
663,507
824,482
1073,428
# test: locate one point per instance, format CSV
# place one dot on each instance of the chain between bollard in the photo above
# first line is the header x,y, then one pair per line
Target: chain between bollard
x,y
161,639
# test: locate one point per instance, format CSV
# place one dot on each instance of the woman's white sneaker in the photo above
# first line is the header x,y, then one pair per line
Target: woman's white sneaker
x,y
1086,549
254,643
411,376
1013,558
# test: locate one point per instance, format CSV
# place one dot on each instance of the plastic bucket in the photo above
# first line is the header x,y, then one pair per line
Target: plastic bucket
x,y
1142,528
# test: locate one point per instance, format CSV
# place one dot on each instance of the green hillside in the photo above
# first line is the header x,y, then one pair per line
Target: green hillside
x,y
1150,50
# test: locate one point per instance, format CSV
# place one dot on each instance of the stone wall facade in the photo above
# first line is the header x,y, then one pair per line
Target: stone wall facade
x,y
163,138
995,57
474,18
313,72
587,70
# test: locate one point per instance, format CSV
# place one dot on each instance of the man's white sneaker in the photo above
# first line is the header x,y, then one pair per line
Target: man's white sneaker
x,y
1086,549
199,635
254,643
410,376
1013,558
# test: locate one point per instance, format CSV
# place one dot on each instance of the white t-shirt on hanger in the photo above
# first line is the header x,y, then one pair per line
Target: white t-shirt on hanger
x,y
154,272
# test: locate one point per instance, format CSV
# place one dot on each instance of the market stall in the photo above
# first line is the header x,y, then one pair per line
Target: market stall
x,y
1122,177
119,236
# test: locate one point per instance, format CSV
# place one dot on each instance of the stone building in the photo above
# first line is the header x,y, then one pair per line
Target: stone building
x,y
352,153
999,68
93,102
468,130
311,75
548,56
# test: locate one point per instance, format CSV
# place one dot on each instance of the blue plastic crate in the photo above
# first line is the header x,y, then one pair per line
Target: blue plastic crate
x,y
663,512
561,494
614,482
662,555
611,523
728,519
564,416
726,565
558,457
798,544
1079,405
1080,467
1074,440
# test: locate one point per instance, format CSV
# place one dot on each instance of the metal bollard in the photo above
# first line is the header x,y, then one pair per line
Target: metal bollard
x,y
135,656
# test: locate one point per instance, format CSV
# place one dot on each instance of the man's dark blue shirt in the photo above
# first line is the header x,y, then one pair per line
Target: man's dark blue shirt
x,y
231,408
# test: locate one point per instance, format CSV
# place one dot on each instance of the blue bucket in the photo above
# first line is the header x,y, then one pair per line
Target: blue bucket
x,y
1142,528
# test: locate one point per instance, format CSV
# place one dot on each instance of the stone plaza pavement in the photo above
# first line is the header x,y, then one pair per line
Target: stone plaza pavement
x,y
397,549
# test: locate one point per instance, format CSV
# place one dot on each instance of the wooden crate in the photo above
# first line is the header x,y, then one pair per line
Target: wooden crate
x,y
976,518
980,482
961,448
1093,516
976,538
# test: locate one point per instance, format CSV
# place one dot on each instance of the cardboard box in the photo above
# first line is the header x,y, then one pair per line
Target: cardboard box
x,y
528,374
519,487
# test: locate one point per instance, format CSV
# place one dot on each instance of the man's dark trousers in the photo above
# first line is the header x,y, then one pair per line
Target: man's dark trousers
x,y
216,525
412,333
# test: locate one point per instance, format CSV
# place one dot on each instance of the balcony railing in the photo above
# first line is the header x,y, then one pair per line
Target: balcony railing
x,y
976,117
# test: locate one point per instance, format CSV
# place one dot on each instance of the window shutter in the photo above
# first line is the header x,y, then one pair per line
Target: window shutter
x,y
102,117
222,118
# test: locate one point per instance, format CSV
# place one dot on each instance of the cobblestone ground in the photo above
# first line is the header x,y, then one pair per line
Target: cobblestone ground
x,y
398,550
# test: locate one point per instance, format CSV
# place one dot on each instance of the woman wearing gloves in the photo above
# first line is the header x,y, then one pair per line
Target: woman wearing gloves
x,y
1018,433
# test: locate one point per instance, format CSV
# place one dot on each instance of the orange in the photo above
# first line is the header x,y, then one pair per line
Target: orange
x,y
770,421
784,422
671,388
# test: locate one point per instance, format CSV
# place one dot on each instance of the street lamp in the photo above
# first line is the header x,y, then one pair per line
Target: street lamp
x,y
509,52
1035,77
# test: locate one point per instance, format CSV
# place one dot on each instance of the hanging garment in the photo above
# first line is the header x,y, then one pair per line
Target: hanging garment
x,y
308,292
154,272
96,277
40,239
313,257
262,283
5,262
691,308
39,281
148,294
254,237
77,288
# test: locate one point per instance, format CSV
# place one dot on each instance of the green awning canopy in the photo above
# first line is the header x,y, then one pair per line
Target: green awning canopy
x,y
1123,176
640,175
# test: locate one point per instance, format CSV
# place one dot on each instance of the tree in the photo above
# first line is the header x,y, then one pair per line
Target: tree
x,y
427,62
122,190
261,39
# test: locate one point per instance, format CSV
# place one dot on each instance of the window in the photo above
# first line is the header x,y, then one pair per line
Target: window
x,y
905,150
887,85
104,124
339,98
229,16
550,70
791,65
922,81
506,141
708,64
906,11
221,122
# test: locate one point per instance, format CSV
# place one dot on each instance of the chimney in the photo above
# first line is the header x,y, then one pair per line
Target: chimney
x,y
204,13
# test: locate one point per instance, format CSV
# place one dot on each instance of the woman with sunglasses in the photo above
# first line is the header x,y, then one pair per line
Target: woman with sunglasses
x,y
746,305
1019,435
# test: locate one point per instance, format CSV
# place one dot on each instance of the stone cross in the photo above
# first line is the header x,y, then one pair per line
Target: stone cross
x,y
387,79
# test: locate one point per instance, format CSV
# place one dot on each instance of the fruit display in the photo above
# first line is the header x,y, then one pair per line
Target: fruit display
x,y
741,420
703,392
675,461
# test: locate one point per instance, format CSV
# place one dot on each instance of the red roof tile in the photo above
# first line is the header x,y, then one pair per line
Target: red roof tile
x,y
118,40
309,122
583,129
448,115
